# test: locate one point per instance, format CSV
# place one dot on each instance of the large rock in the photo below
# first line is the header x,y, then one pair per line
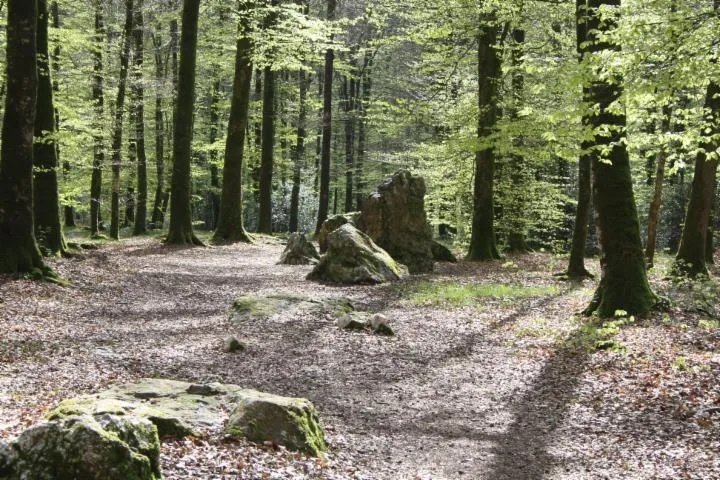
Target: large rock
x,y
284,308
332,224
81,447
394,217
299,251
291,422
353,258
179,409
441,253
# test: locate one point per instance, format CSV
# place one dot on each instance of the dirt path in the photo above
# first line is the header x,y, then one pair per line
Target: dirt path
x,y
501,391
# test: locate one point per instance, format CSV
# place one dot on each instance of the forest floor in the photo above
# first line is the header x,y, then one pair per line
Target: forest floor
x,y
507,383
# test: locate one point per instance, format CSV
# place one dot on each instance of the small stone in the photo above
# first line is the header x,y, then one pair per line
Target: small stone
x,y
232,345
349,322
378,320
384,330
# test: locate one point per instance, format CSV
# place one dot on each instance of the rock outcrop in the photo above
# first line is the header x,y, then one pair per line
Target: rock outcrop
x,y
353,258
179,409
394,217
332,224
105,447
299,251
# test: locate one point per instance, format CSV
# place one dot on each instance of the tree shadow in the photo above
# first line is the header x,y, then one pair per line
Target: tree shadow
x,y
521,452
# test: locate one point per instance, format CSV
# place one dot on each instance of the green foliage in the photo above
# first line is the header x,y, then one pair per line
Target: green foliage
x,y
468,295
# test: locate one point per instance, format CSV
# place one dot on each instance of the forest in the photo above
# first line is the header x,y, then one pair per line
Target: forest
x,y
368,239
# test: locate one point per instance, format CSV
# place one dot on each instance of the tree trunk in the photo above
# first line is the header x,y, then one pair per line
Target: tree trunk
x,y
298,152
231,223
140,226
19,252
692,253
48,225
624,285
576,265
364,105
656,202
181,229
327,128
157,212
118,125
349,88
214,169
517,236
482,242
268,141
98,137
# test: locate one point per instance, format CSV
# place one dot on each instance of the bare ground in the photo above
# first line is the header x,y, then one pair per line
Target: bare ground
x,y
506,389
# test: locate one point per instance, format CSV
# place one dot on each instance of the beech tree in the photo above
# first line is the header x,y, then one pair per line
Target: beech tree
x,y
19,252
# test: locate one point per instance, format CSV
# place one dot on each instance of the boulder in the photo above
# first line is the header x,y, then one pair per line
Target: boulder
x,y
353,258
81,447
291,422
299,251
232,345
394,217
332,224
283,308
441,253
179,409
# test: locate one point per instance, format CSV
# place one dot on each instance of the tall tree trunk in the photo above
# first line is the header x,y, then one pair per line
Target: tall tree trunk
x,y
255,168
157,211
710,244
517,209
298,152
181,229
231,223
349,87
98,136
68,210
624,285
692,253
268,141
19,252
48,225
214,169
576,265
140,226
364,105
656,202
327,128
482,242
118,125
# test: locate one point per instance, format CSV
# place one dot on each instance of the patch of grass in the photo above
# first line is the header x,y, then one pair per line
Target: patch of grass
x,y
711,325
463,295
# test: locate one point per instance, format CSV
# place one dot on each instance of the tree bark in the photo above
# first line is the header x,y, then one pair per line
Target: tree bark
x,y
157,211
98,137
482,242
140,226
215,198
364,105
624,285
231,227
298,152
181,229
268,141
19,252
326,128
118,125
349,93
576,265
48,225
656,202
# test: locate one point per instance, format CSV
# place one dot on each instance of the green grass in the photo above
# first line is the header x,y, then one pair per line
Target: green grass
x,y
463,295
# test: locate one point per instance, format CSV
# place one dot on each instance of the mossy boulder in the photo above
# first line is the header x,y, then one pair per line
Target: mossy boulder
x,y
441,253
299,251
353,258
291,422
179,409
284,307
394,217
332,224
81,447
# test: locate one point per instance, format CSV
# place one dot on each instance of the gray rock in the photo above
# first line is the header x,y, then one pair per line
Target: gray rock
x,y
80,447
282,308
377,320
181,409
394,217
441,253
353,258
332,224
352,322
299,251
291,422
232,345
